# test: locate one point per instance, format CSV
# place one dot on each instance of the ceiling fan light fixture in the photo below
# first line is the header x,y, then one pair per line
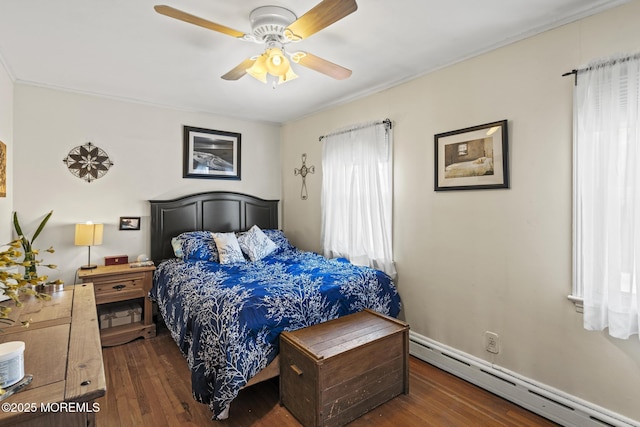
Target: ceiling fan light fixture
x,y
289,75
259,69
275,27
274,63
277,64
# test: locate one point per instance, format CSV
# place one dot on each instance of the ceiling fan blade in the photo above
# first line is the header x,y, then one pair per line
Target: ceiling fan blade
x,y
321,16
321,65
239,70
192,19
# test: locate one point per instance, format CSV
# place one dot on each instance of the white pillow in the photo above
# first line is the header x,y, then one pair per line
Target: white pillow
x,y
255,244
229,251
176,244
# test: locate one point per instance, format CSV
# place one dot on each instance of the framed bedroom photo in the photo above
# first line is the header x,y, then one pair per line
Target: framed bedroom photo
x,y
212,154
129,223
474,158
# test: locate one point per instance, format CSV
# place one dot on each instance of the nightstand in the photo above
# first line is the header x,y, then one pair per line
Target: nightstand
x,y
118,283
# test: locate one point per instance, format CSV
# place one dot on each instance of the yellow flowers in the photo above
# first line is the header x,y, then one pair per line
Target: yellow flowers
x,y
14,283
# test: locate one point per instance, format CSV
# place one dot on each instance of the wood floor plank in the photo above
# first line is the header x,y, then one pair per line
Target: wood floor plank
x,y
149,384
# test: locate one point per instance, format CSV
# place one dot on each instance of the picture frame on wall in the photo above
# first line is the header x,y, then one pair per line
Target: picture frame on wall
x,y
211,154
3,169
474,158
129,223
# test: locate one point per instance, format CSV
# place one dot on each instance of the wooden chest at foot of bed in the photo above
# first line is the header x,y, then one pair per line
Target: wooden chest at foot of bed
x,y
336,371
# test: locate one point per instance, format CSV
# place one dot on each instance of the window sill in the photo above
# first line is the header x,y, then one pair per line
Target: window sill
x,y
578,302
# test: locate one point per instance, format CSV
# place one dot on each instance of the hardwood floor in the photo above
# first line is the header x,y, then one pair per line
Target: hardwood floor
x,y
149,384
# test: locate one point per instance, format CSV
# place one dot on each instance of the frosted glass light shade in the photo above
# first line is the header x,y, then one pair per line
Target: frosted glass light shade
x,y
277,64
272,62
259,69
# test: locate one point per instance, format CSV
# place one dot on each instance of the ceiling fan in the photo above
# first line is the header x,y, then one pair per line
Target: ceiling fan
x,y
275,27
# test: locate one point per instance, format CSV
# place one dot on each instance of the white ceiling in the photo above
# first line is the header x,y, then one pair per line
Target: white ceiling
x,y
124,49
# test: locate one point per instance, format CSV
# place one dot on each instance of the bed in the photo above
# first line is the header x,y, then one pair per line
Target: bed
x,y
478,167
226,317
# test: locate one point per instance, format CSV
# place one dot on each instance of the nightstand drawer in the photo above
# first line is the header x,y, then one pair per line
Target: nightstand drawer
x,y
116,288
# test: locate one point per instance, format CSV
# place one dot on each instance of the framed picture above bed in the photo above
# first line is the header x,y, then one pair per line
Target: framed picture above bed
x,y
474,158
212,154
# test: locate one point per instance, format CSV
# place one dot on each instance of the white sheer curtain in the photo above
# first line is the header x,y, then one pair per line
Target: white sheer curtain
x,y
357,196
607,195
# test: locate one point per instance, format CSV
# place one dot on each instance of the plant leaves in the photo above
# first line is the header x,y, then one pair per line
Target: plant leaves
x,y
26,245
16,224
42,224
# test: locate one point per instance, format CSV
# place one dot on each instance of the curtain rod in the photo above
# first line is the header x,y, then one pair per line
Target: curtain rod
x,y
385,122
608,63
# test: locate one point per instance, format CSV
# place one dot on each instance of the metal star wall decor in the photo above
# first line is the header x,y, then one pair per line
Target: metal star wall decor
x,y
88,162
303,171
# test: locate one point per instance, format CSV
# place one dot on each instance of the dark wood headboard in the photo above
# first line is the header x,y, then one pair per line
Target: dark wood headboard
x,y
214,211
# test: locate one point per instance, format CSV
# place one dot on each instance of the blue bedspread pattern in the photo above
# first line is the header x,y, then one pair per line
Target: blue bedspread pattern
x,y
226,319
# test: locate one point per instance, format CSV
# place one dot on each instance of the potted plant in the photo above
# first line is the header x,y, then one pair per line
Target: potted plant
x,y
30,261
13,284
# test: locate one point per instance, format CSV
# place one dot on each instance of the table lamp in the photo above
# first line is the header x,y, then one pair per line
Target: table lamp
x,y
88,234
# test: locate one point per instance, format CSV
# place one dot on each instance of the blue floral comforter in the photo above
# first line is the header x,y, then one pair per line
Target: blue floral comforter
x,y
227,319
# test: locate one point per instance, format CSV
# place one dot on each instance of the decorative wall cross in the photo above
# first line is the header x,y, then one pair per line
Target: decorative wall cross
x,y
303,171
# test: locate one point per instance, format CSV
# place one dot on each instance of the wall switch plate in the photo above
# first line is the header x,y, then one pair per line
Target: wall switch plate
x,y
492,342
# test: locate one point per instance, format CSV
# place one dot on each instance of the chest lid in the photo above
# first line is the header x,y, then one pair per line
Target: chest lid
x,y
345,333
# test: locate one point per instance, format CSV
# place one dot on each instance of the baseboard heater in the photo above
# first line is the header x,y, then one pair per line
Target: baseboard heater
x,y
539,398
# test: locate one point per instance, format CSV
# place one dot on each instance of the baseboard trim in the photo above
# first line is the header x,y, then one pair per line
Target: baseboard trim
x,y
539,398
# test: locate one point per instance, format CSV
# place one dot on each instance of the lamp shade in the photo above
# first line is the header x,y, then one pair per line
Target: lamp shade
x,y
290,75
88,234
277,64
274,63
259,69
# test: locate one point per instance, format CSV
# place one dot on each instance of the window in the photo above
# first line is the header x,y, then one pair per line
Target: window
x,y
606,211
357,196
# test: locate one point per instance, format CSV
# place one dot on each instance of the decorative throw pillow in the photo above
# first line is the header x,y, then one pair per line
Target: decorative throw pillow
x,y
195,246
176,244
255,244
229,250
278,237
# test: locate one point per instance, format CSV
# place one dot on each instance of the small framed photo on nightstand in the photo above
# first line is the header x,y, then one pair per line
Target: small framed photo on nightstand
x,y
129,223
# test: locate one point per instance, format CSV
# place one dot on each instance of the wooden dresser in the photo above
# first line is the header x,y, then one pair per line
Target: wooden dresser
x,y
64,355
333,372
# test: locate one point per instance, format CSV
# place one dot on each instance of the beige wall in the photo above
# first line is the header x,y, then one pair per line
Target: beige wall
x,y
497,260
6,136
145,144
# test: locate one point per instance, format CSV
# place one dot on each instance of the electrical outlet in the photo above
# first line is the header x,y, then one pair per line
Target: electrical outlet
x,y
492,342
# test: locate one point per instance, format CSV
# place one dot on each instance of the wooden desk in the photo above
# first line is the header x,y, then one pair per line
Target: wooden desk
x,y
64,355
